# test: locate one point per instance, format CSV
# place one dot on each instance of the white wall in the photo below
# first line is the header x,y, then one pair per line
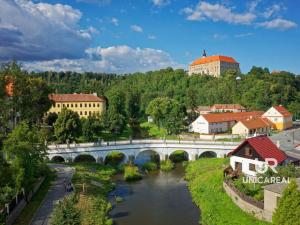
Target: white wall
x,y
200,125
245,164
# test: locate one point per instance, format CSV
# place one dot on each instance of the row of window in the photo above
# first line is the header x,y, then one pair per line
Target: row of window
x,y
81,113
58,105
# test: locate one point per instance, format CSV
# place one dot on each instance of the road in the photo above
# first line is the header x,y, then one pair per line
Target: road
x,y
55,193
288,140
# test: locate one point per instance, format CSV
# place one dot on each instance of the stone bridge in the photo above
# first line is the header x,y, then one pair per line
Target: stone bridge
x,y
131,149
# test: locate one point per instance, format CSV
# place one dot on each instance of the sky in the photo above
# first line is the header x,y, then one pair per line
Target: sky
x,y
125,36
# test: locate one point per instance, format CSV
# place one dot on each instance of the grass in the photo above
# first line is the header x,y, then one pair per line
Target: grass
x,y
93,204
153,131
125,135
167,165
26,216
205,179
131,173
178,156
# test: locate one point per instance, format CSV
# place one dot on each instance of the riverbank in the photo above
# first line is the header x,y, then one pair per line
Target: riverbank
x,y
205,179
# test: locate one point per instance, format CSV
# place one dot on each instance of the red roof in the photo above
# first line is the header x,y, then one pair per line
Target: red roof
x,y
256,123
264,147
228,106
283,111
231,116
214,58
75,98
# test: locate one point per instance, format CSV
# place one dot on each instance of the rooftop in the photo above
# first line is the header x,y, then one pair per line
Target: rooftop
x,y
228,106
255,123
75,98
264,147
279,188
231,116
283,111
213,58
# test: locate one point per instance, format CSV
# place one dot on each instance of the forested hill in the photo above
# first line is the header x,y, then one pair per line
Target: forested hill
x,y
257,90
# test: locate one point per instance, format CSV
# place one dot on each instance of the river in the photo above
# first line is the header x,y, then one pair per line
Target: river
x,y
160,198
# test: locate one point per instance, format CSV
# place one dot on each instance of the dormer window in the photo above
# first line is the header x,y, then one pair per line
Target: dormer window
x,y
248,151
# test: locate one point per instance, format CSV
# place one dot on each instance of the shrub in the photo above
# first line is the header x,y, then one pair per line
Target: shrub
x,y
166,165
114,158
131,173
178,156
149,166
65,213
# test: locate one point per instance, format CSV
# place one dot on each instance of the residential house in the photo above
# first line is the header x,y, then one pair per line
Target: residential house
x,y
220,122
252,126
253,152
84,104
280,116
227,108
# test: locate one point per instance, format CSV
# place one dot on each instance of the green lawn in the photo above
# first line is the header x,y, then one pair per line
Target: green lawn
x,y
153,131
26,216
205,178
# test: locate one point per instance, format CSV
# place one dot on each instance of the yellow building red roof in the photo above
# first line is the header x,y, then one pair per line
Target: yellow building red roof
x,y
213,58
256,123
283,111
231,116
75,98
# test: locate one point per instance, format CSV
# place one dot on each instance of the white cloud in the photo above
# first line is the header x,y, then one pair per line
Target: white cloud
x,y
136,28
161,2
218,12
152,37
252,5
114,59
33,31
280,24
219,36
272,11
115,21
243,35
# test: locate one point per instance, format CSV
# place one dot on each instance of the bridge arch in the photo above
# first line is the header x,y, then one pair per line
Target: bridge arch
x,y
146,155
179,156
58,158
208,154
114,158
85,158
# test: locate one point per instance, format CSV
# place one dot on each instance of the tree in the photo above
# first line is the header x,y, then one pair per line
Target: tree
x,y
167,113
26,152
67,126
91,128
66,213
288,211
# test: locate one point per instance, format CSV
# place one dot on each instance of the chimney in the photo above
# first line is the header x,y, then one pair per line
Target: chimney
x,y
278,144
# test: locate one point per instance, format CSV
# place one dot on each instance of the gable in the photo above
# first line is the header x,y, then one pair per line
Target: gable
x,y
244,149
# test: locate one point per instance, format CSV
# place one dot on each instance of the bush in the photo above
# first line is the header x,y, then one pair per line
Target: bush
x,y
65,213
85,158
250,189
114,158
178,156
149,166
166,165
131,173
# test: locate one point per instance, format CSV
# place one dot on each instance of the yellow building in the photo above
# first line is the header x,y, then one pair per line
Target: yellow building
x,y
280,117
214,65
84,104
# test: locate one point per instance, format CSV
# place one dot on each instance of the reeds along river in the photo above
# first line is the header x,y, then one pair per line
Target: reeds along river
x,y
160,198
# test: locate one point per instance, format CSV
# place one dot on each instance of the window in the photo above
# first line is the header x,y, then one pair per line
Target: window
x,y
58,105
248,151
85,113
85,105
68,105
72,105
98,105
94,105
90,113
252,167
80,105
80,112
54,105
63,105
76,105
90,105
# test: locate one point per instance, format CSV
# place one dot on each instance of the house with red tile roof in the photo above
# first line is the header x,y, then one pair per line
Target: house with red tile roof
x,y
280,117
227,108
84,104
252,126
220,122
255,152
213,65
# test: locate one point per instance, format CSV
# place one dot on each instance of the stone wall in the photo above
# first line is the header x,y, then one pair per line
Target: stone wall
x,y
250,206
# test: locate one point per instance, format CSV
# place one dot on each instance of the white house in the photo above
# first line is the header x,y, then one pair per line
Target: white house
x,y
253,152
220,122
280,116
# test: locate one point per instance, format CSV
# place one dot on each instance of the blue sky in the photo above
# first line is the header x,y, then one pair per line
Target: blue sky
x,y
138,35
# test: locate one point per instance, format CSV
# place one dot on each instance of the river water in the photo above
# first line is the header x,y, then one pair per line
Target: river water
x,y
160,198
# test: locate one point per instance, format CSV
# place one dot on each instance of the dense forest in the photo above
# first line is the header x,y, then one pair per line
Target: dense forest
x,y
257,90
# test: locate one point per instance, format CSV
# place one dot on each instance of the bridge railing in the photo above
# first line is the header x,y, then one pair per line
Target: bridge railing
x,y
142,141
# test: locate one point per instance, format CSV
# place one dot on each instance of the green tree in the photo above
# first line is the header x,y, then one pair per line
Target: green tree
x,y
67,126
288,210
26,152
66,213
167,113
91,128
